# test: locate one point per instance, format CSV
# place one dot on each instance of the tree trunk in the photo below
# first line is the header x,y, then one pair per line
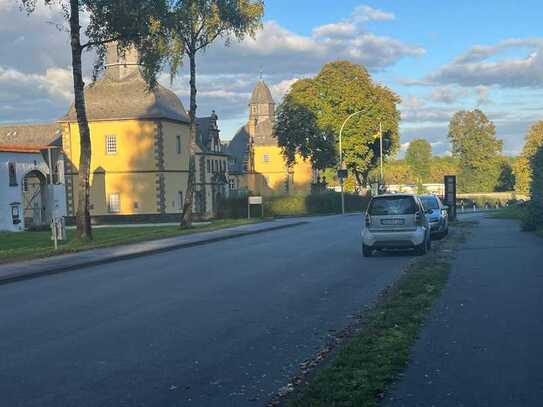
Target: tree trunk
x,y
83,222
186,220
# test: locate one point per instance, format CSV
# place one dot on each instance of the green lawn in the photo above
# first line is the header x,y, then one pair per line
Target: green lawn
x,y
361,371
31,245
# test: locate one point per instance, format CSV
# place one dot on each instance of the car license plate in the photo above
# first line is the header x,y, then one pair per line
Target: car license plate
x,y
393,222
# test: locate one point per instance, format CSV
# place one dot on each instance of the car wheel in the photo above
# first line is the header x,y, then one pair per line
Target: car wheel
x,y
422,248
366,251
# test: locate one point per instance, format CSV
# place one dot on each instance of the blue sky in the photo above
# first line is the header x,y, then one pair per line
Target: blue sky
x,y
439,56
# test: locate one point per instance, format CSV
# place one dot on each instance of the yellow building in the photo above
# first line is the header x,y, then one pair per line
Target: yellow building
x,y
257,165
140,146
211,168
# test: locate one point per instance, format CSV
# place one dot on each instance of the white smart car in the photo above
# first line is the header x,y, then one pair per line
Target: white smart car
x,y
396,222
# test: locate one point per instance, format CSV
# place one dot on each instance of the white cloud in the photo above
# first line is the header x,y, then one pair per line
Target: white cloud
x,y
447,94
481,65
426,114
412,102
34,51
367,13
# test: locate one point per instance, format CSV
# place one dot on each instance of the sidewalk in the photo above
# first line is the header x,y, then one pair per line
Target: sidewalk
x,y
481,345
33,268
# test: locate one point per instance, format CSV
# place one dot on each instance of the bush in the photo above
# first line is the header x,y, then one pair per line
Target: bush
x,y
295,205
534,219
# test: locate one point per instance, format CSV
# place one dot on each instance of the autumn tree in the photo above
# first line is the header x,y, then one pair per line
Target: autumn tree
x,y
419,156
298,132
195,25
522,168
474,143
129,23
339,90
535,217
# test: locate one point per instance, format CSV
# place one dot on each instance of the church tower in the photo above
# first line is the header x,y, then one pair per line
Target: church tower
x,y
261,107
120,66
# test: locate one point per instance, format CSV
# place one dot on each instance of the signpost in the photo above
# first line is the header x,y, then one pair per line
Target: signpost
x,y
450,195
254,200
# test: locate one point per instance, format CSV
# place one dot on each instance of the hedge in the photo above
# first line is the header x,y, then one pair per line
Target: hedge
x,y
534,220
294,205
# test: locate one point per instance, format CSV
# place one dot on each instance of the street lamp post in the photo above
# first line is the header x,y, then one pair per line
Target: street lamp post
x,y
341,158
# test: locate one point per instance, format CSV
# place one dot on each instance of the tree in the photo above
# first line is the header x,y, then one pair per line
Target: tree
x,y
129,23
442,166
474,143
522,168
340,89
419,157
196,24
506,180
298,133
536,188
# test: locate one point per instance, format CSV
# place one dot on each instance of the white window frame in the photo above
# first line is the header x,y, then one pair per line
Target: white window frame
x,y
114,207
111,144
266,158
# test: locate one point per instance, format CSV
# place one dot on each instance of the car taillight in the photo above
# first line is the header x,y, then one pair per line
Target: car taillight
x,y
368,220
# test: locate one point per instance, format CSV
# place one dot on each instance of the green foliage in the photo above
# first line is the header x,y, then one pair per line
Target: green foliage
x,y
400,172
506,180
339,90
522,168
441,166
474,143
535,215
419,157
196,24
298,133
296,205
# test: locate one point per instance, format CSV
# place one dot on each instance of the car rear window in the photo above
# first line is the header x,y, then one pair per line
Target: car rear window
x,y
430,202
392,205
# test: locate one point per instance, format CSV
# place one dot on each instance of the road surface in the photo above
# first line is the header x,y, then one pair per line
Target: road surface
x,y
224,324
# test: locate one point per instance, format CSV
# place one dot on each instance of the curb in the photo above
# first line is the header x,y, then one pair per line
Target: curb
x,y
20,276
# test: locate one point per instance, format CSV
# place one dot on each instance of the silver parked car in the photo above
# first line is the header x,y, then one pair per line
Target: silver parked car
x,y
396,222
437,215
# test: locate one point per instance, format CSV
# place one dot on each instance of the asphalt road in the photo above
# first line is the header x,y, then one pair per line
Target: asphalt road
x,y
223,324
482,345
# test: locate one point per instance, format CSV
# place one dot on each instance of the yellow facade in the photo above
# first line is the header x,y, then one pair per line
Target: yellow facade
x,y
257,163
146,172
272,176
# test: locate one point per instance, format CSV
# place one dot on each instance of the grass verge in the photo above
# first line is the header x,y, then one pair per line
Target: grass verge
x,y
33,245
377,349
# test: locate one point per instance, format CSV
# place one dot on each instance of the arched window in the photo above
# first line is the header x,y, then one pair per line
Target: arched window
x,y
12,175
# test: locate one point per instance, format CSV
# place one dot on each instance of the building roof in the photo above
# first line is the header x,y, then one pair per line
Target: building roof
x,y
36,135
237,150
204,127
261,94
128,97
15,148
264,134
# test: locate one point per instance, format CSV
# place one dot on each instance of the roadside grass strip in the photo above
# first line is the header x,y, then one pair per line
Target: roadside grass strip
x,y
32,245
377,350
